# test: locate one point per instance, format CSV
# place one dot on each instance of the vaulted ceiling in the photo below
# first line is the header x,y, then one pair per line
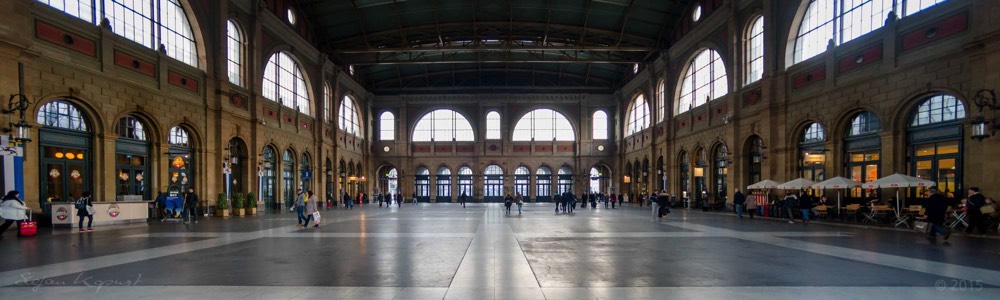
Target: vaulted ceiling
x,y
490,46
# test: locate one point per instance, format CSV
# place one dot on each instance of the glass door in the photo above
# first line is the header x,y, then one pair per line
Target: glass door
x,y
65,174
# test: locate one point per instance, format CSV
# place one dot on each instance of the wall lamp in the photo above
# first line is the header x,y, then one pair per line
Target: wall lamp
x,y
982,128
20,131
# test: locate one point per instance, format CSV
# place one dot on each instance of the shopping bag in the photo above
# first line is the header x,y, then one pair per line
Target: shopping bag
x,y
316,217
920,226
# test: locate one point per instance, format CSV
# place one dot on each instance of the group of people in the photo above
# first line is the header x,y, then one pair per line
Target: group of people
x,y
306,208
509,201
187,209
388,199
793,202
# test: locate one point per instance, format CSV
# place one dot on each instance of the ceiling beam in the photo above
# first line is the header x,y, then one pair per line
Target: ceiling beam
x,y
628,11
500,48
427,75
361,22
542,28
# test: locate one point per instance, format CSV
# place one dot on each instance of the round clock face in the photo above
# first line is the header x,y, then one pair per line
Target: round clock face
x,y
600,148
386,148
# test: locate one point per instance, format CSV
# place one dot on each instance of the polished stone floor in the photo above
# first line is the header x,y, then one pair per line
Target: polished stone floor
x,y
442,251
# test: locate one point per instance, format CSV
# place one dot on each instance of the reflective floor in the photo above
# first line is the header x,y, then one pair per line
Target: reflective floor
x,y
442,251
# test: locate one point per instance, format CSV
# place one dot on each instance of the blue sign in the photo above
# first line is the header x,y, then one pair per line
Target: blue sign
x,y
306,175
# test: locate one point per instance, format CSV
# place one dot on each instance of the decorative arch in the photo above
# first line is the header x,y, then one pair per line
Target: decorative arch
x,y
91,118
282,66
901,120
350,116
152,128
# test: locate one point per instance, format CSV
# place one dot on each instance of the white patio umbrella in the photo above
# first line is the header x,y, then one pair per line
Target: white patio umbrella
x,y
837,183
798,184
763,185
898,181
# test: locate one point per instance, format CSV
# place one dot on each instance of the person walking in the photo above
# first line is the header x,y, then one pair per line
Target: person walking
x,y
300,208
508,201
462,198
936,211
751,203
349,201
378,197
789,203
606,200
520,202
311,210
738,201
85,209
13,210
190,206
613,200
805,205
663,205
653,204
973,207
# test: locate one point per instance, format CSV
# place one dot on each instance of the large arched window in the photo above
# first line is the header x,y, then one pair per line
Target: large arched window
x,y
387,126
812,153
661,100
288,176
284,81
845,20
131,128
132,153
934,142
350,120
443,125
327,103
152,23
493,125
600,125
544,125
543,184
705,80
422,184
638,115
234,53
565,183
755,50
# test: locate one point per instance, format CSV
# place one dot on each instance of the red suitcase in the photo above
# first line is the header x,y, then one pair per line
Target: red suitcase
x,y
29,227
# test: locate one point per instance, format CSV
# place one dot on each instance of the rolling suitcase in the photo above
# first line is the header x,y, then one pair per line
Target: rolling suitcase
x,y
29,227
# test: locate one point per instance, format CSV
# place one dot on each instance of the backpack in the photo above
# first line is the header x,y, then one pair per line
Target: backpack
x,y
81,203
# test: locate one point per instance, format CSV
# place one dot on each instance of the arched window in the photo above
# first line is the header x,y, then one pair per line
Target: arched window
x,y
595,180
234,53
938,109
934,142
638,116
522,178
705,80
284,81
152,23
350,120
62,114
288,176
543,125
720,162
443,125
812,153
661,100
387,126
493,125
268,192
131,128
178,136
306,169
493,183
755,50
864,123
327,103
684,180
443,183
914,6
543,184
465,181
863,149
600,125
755,151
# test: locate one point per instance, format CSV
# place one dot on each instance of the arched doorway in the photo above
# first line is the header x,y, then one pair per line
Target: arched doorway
x,y
600,179
565,183
720,166
522,181
493,184
132,152
442,182
237,164
683,180
543,184
65,152
288,177
755,159
181,169
306,172
812,153
934,136
627,179
863,150
268,180
465,181
422,184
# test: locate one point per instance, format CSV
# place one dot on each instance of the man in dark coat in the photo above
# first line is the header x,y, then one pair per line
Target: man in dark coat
x,y
191,206
738,201
936,210
973,204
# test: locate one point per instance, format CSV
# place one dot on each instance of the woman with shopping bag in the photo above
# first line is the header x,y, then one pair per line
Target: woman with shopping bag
x,y
12,210
311,210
